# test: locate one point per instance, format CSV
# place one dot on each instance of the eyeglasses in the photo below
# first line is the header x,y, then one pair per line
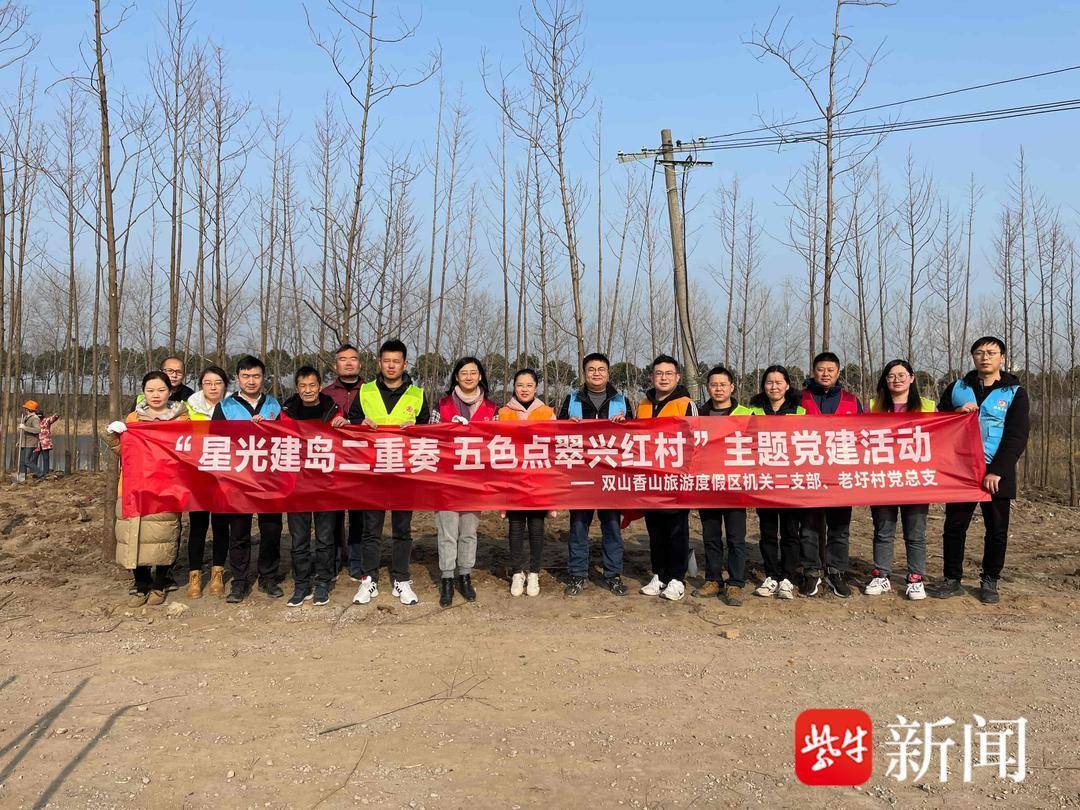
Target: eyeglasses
x,y
992,353
898,377
662,374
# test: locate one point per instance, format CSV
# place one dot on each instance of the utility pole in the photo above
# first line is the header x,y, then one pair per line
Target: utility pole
x,y
683,326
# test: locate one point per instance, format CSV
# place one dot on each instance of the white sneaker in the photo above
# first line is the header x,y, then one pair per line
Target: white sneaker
x,y
768,587
654,587
878,586
404,592
915,590
532,586
517,584
785,590
674,590
367,591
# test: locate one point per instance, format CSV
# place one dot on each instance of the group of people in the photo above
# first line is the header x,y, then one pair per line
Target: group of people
x,y
790,539
35,442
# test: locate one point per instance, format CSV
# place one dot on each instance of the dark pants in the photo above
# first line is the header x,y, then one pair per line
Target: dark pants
x,y
577,541
240,548
42,459
530,524
341,539
364,555
957,519
669,542
320,565
835,523
151,578
713,523
26,459
781,542
198,525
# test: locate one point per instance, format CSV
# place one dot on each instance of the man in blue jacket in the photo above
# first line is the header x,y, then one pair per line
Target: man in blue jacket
x,y
597,399
250,403
1003,407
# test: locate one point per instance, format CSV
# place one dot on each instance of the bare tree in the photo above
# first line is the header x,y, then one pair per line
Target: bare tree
x,y
919,215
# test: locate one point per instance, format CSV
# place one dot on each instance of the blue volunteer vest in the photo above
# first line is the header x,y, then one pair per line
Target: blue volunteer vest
x,y
234,409
991,413
616,405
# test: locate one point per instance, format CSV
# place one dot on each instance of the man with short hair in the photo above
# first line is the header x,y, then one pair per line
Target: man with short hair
x,y
344,390
389,399
1003,407
311,580
824,394
669,529
596,399
173,368
251,404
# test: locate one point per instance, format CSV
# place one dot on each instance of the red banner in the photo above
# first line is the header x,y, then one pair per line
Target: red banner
x,y
733,461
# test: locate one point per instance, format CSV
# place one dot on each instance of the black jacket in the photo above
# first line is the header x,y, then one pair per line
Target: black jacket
x,y
390,397
679,392
828,401
588,411
1014,436
328,409
792,403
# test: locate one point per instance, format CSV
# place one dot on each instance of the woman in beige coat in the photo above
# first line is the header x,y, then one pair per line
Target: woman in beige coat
x,y
147,545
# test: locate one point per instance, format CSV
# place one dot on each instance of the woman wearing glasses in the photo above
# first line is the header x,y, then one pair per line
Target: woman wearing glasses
x,y
898,392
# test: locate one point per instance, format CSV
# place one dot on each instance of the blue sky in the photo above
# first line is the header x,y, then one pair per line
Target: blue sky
x,y
683,66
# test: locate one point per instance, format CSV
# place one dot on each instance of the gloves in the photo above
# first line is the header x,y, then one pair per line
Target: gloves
x,y
461,420
116,427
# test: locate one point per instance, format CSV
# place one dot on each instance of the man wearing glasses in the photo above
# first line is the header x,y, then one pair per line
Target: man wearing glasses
x,y
1002,404
173,368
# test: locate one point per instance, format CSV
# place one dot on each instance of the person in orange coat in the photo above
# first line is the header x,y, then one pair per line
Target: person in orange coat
x,y
524,405
147,545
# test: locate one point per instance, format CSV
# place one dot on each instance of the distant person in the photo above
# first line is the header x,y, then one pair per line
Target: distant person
x,y
147,545
1003,407
43,454
29,429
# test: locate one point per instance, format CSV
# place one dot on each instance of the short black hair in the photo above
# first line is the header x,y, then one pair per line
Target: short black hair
x,y
825,357
345,347
720,370
664,358
248,362
307,371
603,358
989,340
394,345
530,371
156,375
218,371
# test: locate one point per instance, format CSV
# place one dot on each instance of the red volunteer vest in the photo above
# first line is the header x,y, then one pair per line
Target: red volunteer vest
x,y
849,403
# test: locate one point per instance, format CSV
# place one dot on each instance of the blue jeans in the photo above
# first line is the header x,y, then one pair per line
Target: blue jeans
x,y
578,541
27,462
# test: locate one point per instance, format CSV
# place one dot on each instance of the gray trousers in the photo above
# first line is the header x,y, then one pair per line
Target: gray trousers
x,y
913,520
457,541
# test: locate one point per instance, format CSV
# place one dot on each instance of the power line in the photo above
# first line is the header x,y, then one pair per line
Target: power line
x,y
720,141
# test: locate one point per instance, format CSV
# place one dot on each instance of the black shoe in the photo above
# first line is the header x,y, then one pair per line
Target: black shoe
x,y
446,592
616,586
465,585
836,582
808,586
236,595
948,588
271,589
574,586
298,598
322,595
988,592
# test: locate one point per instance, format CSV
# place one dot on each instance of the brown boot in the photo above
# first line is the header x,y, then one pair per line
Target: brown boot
x,y
217,582
733,595
156,598
194,584
710,588
137,599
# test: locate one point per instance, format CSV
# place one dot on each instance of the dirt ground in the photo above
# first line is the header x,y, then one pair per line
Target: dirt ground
x,y
597,701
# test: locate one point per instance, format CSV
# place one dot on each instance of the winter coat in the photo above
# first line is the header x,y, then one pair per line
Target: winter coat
x,y
535,411
579,405
836,400
677,403
328,408
29,428
150,539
